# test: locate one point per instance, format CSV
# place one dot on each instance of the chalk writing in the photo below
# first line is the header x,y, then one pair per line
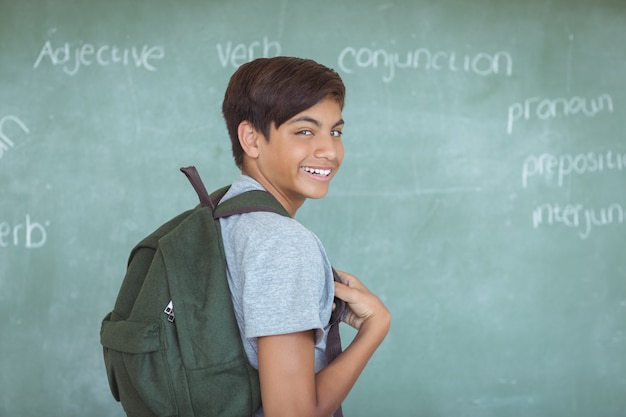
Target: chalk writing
x,y
72,59
481,63
557,168
546,109
6,138
239,54
578,217
29,234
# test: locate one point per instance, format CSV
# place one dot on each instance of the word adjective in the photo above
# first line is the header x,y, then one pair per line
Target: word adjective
x,y
6,143
561,166
71,59
480,63
576,216
545,109
29,234
239,54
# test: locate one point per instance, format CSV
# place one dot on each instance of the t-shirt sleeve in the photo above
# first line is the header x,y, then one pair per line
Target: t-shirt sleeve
x,y
283,276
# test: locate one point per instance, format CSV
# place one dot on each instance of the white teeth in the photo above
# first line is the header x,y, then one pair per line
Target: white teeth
x,y
324,172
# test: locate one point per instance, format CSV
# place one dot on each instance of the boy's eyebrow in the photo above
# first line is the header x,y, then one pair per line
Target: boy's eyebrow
x,y
315,121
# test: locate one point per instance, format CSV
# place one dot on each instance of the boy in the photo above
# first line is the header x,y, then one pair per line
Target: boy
x,y
284,119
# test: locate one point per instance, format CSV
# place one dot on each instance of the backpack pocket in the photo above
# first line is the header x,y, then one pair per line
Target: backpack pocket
x,y
209,386
137,367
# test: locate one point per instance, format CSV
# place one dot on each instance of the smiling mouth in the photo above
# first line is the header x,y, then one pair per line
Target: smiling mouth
x,y
317,171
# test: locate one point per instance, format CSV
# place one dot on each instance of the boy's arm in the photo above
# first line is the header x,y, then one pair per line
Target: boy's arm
x,y
289,385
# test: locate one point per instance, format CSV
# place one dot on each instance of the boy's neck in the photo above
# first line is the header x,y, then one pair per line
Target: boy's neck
x,y
287,204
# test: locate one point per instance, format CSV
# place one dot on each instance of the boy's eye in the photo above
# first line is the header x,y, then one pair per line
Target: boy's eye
x,y
334,133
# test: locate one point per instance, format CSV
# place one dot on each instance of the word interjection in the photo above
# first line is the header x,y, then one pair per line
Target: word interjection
x,y
578,217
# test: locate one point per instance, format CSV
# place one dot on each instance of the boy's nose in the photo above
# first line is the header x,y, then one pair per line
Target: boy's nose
x,y
327,147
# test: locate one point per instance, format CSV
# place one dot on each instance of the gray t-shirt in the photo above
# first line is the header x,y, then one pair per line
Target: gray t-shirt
x,y
279,275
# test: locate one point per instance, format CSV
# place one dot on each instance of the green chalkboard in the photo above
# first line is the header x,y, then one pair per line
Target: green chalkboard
x,y
483,194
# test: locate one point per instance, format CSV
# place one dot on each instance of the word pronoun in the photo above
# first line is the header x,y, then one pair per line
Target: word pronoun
x,y
576,216
72,59
6,138
558,167
545,109
480,63
29,234
239,54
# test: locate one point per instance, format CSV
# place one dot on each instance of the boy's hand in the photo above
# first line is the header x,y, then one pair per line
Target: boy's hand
x,y
363,305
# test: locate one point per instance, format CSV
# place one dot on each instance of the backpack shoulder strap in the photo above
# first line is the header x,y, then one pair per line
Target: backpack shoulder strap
x,y
255,200
206,200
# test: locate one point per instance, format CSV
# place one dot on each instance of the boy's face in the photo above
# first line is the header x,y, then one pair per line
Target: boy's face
x,y
302,155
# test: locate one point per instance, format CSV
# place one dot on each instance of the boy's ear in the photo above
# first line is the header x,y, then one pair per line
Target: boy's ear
x,y
249,139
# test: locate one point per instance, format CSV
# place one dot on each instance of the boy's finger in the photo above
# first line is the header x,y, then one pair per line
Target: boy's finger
x,y
346,293
341,275
341,291
348,279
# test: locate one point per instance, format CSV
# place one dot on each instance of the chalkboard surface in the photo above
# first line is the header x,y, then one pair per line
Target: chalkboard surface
x,y
483,194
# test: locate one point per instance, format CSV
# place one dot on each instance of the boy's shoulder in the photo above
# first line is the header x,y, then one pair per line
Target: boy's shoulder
x,y
241,184
263,225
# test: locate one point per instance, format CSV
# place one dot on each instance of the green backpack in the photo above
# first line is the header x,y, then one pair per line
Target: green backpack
x,y
171,344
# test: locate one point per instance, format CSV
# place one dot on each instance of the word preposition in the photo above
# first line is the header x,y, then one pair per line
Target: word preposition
x,y
557,168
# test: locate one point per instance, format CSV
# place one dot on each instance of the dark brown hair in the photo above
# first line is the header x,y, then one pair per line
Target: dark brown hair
x,y
273,90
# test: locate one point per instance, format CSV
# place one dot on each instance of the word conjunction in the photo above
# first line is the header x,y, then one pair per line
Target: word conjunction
x,y
71,60
480,63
